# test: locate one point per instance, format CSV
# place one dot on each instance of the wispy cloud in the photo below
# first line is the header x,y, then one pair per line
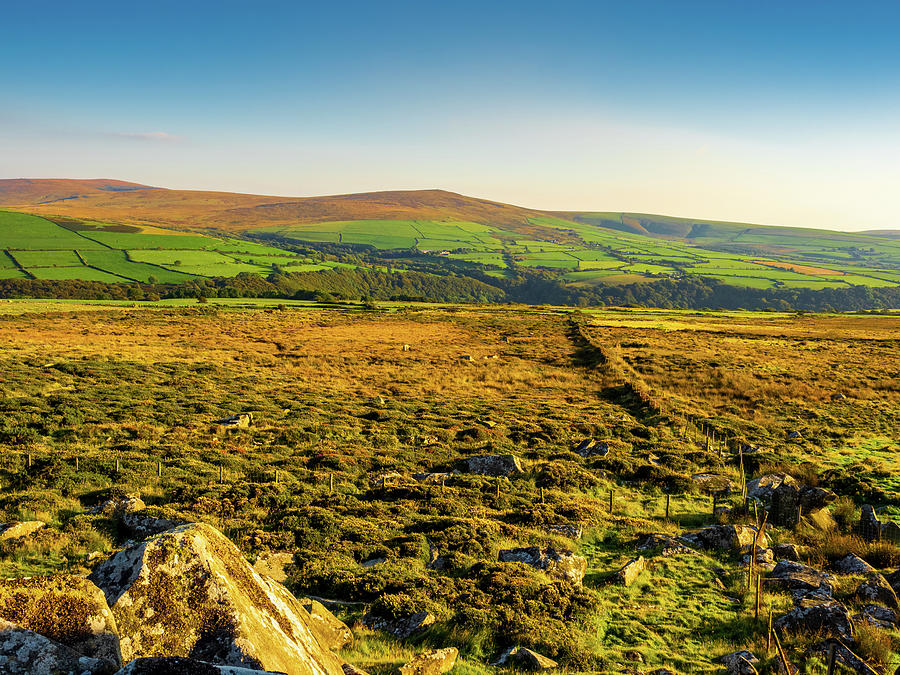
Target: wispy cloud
x,y
148,136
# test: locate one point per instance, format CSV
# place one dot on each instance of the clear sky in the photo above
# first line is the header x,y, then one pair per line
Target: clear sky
x,y
782,112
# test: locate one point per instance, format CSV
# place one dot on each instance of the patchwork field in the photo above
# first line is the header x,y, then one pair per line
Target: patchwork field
x,y
38,248
101,399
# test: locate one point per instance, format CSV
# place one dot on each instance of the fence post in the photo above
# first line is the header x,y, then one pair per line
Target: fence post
x,y
159,469
331,482
667,506
610,501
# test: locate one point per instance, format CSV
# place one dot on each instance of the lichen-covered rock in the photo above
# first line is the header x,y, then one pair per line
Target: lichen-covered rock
x,y
65,608
13,531
877,615
740,663
400,628
630,571
134,515
843,656
738,537
331,631
434,662
803,581
762,488
494,465
591,448
176,665
869,527
190,592
823,618
556,563
29,653
852,564
876,589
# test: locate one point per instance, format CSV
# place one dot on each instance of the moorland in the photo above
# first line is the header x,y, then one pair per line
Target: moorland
x,y
629,428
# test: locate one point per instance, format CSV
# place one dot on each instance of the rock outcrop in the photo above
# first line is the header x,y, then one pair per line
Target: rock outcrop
x,y
524,659
713,484
136,517
331,631
740,663
65,609
556,563
667,546
434,662
763,487
29,653
803,582
494,465
823,618
852,564
274,565
190,593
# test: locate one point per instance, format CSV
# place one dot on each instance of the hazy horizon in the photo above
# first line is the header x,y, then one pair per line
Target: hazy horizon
x,y
771,113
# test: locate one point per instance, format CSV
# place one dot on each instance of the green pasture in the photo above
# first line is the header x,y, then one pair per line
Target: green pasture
x,y
66,273
27,232
47,258
117,262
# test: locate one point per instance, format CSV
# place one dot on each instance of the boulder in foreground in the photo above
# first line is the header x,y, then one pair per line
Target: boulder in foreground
x,y
189,592
24,651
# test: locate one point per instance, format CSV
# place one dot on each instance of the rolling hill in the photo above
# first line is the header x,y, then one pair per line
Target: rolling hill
x,y
581,248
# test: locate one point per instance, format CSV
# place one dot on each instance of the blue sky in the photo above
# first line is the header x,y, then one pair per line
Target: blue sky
x,y
776,112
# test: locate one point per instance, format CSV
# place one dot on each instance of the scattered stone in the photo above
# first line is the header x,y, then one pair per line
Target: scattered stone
x,y
821,520
494,465
13,531
388,479
24,651
786,552
239,421
762,488
591,448
434,662
634,655
795,436
740,663
877,616
466,357
877,589
435,560
190,592
764,556
826,618
556,563
630,571
738,537
274,565
668,546
711,483
838,396
434,478
852,564
175,665
67,609
526,659
869,526
490,424
373,562
894,580
815,498
789,502
567,530
331,631
401,628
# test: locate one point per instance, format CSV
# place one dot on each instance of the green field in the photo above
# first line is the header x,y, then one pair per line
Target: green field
x,y
85,250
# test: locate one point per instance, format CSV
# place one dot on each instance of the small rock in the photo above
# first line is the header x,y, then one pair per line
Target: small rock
x,y
740,663
175,665
668,546
852,564
762,488
786,552
241,420
435,560
869,526
804,583
738,537
634,655
795,436
13,531
432,662
526,659
556,563
494,465
434,478
630,571
711,483
373,562
567,530
877,589
591,448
